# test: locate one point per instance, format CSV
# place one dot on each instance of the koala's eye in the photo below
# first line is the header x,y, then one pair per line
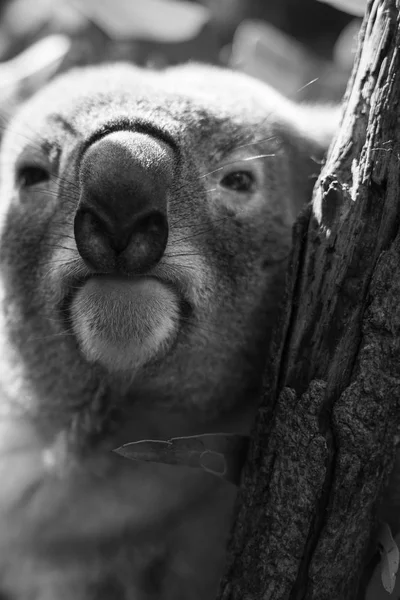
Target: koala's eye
x,y
31,175
238,181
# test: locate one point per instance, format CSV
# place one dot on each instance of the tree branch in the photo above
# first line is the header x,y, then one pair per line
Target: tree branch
x,y
324,440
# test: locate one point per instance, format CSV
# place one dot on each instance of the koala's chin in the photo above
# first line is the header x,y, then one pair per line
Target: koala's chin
x,y
124,323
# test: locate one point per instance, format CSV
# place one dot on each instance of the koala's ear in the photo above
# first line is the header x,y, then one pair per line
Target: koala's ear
x,y
306,137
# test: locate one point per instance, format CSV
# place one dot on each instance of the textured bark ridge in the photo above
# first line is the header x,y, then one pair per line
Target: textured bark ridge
x,y
324,441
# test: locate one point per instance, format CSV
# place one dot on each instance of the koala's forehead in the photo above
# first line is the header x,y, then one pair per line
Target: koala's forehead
x,y
207,103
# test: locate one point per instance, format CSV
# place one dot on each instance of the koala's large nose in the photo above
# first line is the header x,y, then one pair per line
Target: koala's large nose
x,y
121,223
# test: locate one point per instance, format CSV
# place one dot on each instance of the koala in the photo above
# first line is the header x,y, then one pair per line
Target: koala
x,y
145,227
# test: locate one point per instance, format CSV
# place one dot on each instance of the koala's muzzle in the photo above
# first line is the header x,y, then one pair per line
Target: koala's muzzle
x,y
121,224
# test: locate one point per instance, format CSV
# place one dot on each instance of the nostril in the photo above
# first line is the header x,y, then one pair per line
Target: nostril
x,y
147,241
154,224
92,237
135,245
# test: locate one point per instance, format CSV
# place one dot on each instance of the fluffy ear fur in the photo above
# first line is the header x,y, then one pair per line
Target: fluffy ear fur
x,y
77,521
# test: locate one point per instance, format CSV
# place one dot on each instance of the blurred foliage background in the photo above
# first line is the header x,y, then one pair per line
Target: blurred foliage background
x,y
287,43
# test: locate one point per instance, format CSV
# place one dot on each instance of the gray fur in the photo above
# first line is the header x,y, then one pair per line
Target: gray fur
x,y
93,525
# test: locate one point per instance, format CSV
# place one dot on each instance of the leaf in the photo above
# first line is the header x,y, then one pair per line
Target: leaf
x,y
263,51
35,64
155,20
222,454
389,557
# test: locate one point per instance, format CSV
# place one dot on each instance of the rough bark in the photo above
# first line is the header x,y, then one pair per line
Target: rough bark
x,y
324,441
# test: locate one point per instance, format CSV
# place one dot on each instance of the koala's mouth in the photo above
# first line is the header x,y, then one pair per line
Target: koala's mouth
x,y
124,323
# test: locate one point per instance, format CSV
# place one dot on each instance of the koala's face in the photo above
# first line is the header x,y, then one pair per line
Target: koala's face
x,y
146,222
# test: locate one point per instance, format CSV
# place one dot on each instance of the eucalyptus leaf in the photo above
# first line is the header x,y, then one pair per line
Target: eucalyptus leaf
x,y
222,454
389,557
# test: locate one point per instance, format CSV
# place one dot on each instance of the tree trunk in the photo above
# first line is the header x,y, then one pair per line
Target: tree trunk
x,y
324,440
